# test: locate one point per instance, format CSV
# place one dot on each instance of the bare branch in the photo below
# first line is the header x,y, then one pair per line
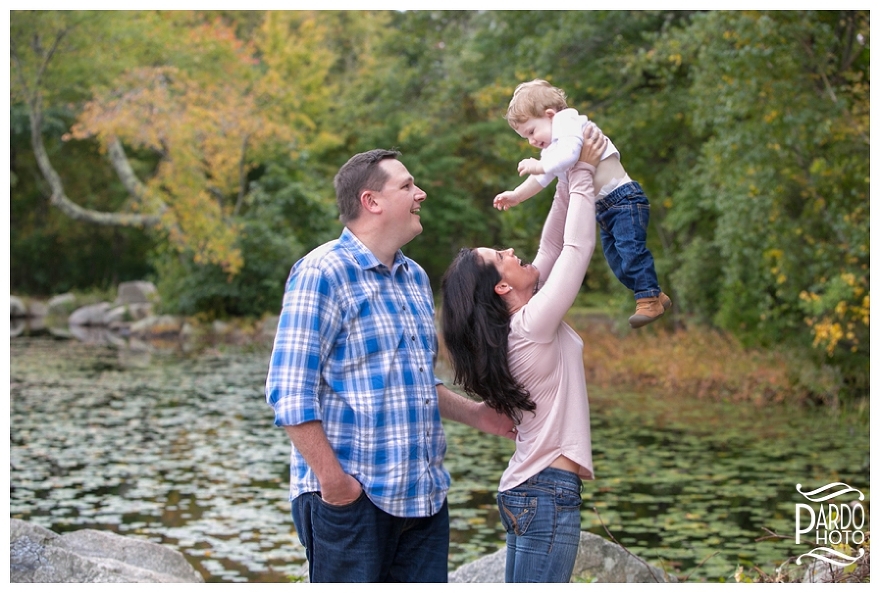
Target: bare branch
x,y
242,177
58,197
47,57
215,191
136,189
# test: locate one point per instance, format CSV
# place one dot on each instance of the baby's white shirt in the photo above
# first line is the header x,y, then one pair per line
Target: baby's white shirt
x,y
566,142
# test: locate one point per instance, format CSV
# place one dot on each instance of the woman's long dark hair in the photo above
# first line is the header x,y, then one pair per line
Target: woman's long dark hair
x,y
476,324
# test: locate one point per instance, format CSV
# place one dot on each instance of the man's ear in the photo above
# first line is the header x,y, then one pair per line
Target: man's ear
x,y
369,203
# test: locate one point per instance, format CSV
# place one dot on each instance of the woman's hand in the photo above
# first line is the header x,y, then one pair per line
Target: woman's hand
x,y
594,144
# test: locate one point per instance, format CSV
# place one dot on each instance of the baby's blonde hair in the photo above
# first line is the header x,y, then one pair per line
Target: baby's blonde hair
x,y
531,99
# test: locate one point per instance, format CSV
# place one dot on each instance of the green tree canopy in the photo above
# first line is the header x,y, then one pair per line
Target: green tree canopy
x,y
223,129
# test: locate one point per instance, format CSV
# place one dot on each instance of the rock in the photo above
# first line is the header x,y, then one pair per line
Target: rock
x,y
60,332
157,326
115,316
36,324
62,305
188,330
819,572
598,560
139,311
87,333
824,568
108,315
139,291
26,308
17,308
38,555
17,325
89,315
609,562
37,309
488,569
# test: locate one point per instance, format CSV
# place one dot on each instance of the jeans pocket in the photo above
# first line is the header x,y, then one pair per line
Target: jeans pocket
x,y
340,507
566,498
641,215
517,511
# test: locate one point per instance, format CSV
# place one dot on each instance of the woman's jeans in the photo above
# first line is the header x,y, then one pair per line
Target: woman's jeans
x,y
360,543
623,227
542,517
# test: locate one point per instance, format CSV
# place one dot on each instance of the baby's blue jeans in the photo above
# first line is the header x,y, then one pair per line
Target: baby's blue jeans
x,y
623,228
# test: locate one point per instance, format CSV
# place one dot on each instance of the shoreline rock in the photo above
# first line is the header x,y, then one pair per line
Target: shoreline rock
x,y
38,555
598,560
130,322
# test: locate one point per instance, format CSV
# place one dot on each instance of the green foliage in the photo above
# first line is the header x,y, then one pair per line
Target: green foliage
x,y
50,253
284,219
749,131
760,217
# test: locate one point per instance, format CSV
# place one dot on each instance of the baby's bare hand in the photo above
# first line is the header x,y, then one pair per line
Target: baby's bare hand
x,y
505,200
529,167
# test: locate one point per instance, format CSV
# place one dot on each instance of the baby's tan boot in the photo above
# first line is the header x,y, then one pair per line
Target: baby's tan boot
x,y
649,309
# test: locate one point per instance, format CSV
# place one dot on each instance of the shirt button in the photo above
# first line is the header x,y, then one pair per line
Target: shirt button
x,y
413,338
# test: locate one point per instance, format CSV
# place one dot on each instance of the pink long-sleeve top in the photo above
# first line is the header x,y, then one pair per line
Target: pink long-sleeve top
x,y
545,354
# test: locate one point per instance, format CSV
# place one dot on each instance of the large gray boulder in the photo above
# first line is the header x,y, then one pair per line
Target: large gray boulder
x,y
62,305
38,555
598,560
89,315
138,291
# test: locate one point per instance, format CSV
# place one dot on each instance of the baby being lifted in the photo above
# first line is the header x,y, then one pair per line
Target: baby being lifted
x,y
538,112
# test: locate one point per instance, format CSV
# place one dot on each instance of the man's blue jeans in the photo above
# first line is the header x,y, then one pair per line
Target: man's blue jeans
x,y
623,227
360,543
542,517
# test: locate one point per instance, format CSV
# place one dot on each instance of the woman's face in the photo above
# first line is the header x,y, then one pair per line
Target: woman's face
x,y
515,273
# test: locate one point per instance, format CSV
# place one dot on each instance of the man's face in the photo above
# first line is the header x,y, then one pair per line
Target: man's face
x,y
538,130
401,200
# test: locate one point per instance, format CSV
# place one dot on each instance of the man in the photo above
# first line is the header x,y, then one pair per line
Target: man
x,y
351,380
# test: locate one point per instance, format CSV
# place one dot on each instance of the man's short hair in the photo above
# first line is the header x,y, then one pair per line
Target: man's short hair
x,y
361,172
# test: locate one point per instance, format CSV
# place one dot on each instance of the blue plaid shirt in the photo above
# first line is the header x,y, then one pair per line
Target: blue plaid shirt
x,y
355,349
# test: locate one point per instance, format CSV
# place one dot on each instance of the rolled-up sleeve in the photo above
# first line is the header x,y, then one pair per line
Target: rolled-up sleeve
x,y
307,328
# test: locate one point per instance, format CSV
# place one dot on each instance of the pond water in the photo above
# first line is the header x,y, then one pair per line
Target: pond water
x,y
179,448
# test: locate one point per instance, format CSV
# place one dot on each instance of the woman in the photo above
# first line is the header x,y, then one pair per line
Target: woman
x,y
503,327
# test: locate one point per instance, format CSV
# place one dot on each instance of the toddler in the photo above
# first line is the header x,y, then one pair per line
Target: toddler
x,y
538,112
